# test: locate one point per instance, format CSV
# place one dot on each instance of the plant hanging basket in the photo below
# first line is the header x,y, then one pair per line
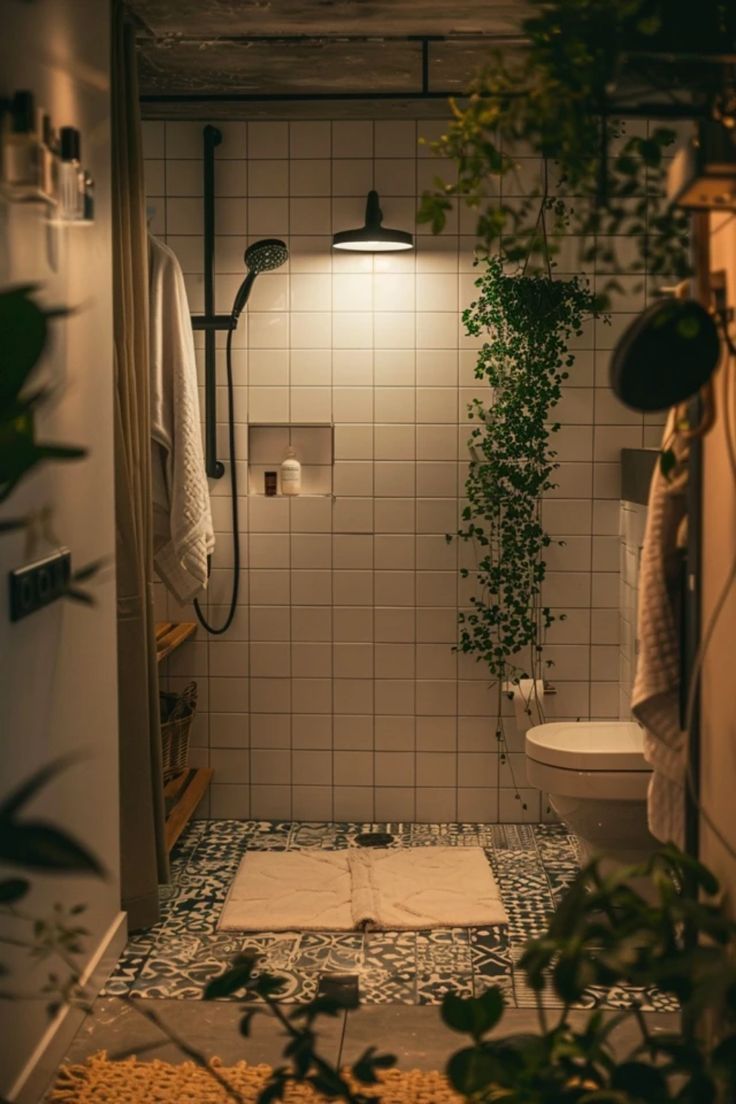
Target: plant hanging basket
x,y
177,713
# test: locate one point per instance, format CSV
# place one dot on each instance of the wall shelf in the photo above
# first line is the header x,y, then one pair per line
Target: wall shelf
x,y
314,447
170,635
182,795
313,494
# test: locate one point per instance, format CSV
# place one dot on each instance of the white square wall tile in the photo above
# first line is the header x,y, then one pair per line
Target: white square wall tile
x,y
268,217
310,178
352,292
152,136
309,139
268,179
310,216
396,138
353,138
268,139
395,176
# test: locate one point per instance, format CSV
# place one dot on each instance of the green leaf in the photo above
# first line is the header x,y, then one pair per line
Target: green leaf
x,y
724,1059
366,1067
40,846
238,976
18,798
23,331
471,1070
473,1015
641,1081
13,889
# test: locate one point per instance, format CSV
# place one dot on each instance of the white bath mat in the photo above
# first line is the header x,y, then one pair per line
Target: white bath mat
x,y
388,888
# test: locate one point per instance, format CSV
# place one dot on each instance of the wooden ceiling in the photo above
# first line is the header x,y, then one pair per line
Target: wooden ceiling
x,y
312,48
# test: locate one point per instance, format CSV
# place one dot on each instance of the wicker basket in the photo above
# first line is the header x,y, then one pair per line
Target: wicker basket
x,y
177,713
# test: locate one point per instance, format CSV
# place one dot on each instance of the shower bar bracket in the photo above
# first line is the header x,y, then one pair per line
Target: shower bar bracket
x,y
209,321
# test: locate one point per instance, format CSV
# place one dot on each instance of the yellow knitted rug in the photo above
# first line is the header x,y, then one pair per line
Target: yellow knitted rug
x,y
132,1082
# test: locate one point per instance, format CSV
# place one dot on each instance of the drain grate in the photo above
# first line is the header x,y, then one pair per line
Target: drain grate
x,y
342,988
374,839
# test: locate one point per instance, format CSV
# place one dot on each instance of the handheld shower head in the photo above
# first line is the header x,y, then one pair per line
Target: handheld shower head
x,y
261,256
266,254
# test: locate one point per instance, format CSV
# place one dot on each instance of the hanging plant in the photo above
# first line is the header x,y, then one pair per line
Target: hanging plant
x,y
528,321
585,66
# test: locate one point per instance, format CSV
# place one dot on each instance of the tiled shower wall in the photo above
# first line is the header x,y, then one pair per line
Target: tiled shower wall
x,y
336,693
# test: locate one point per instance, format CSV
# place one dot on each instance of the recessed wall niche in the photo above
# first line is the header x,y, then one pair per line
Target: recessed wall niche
x,y
313,446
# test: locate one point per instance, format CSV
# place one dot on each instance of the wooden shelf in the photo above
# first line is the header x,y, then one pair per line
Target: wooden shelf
x,y
170,635
182,795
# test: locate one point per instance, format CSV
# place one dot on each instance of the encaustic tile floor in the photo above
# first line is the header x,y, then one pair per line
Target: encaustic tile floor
x,y
532,864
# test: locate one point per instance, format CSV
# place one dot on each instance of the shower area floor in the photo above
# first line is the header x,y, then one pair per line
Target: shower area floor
x,y
533,864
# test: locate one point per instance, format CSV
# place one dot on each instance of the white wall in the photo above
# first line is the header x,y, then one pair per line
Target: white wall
x,y
718,718
336,693
57,667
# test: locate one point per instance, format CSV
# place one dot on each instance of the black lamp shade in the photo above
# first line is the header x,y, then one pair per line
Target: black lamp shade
x,y
373,237
665,356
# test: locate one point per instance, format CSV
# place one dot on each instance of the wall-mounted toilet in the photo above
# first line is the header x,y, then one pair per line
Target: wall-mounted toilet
x,y
597,778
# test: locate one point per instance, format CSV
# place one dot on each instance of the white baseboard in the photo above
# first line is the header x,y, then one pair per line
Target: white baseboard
x,y
33,1081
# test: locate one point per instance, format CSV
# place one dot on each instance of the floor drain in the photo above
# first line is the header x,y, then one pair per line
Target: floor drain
x,y
342,988
374,839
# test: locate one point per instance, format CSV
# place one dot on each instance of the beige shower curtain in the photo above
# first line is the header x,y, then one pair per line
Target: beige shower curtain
x,y
144,861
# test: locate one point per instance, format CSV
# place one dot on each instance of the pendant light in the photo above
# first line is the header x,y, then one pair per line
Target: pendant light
x,y
373,237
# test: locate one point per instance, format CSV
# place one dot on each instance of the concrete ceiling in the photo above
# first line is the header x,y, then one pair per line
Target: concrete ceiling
x,y
302,48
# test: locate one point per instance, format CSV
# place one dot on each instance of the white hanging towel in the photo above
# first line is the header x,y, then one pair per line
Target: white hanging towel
x,y
182,517
656,694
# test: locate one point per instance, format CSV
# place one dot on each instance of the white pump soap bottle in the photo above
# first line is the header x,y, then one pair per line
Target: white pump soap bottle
x,y
291,473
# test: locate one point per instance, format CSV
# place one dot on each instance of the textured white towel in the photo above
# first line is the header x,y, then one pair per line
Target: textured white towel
x,y
655,699
390,889
183,532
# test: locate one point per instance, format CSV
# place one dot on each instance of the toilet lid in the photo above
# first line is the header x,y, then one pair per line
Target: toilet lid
x,y
588,745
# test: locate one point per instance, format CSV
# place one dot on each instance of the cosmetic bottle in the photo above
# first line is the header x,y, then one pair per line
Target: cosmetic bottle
x,y
49,160
88,197
71,179
21,150
291,474
270,483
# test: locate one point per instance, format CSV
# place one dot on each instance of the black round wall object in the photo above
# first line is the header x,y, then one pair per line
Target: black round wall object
x,y
666,355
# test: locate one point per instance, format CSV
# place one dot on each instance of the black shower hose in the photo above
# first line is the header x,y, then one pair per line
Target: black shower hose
x,y
233,498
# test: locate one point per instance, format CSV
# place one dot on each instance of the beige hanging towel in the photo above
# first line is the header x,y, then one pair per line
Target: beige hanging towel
x,y
656,694
182,517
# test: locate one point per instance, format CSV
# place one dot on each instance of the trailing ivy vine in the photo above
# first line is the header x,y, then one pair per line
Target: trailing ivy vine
x,y
558,98
528,322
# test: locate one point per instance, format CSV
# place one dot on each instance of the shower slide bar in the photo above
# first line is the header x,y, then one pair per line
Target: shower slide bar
x,y
209,321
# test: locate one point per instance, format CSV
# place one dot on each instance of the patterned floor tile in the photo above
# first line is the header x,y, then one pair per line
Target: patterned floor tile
x,y
444,835
525,892
381,987
129,965
506,837
330,952
443,965
325,837
490,956
181,966
560,877
533,865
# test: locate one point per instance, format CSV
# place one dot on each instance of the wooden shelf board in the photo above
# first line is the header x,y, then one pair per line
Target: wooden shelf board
x,y
170,635
185,791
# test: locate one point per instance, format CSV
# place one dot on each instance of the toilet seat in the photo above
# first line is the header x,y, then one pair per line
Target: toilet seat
x,y
588,746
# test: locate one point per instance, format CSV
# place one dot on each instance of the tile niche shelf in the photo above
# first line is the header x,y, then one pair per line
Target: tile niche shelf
x,y
313,444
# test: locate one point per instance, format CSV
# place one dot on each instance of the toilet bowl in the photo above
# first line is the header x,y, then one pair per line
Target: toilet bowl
x,y
596,777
